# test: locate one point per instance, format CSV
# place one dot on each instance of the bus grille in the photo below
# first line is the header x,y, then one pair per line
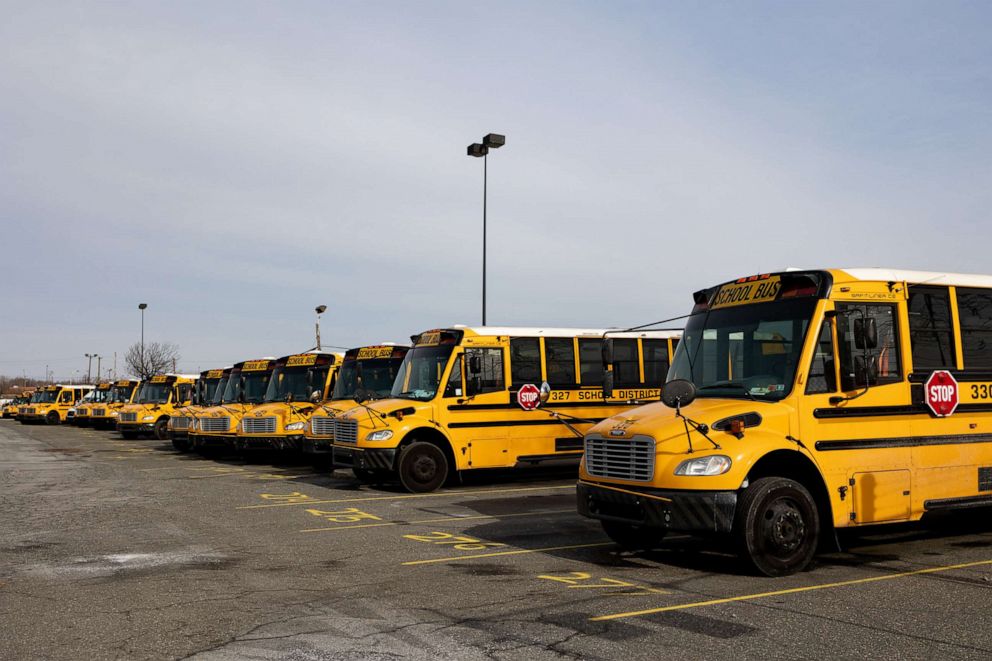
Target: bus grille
x,y
622,459
259,425
215,424
322,426
29,410
99,413
128,417
345,431
180,422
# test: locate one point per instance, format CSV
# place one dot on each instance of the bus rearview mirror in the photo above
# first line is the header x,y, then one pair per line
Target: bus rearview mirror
x,y
608,384
474,364
607,350
545,394
865,333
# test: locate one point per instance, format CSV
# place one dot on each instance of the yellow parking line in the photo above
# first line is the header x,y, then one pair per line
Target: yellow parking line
x,y
493,555
439,494
445,519
776,593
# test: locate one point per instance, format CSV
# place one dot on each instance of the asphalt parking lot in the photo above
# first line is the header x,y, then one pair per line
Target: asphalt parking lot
x,y
126,549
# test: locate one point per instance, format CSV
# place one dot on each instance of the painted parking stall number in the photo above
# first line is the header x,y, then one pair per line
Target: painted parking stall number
x,y
585,581
941,393
346,515
460,542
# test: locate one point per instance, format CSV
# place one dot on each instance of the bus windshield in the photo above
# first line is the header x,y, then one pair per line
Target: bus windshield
x,y
119,395
220,393
209,388
254,386
376,378
46,397
420,373
101,395
288,381
154,393
749,351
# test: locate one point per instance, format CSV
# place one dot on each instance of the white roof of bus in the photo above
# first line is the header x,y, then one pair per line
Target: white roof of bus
x,y
523,331
920,277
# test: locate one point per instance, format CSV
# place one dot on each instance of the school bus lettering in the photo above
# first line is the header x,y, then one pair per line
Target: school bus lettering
x,y
255,365
429,338
367,353
159,379
304,360
748,292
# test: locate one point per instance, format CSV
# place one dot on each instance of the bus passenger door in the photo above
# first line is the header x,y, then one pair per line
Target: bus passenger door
x,y
855,408
477,421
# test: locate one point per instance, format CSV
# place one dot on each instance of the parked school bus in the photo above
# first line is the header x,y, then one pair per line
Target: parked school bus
x,y
214,428
51,404
298,383
203,395
17,401
366,374
806,402
35,398
81,413
458,402
123,391
157,401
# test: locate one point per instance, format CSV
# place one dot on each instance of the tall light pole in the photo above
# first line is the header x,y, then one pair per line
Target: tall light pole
x,y
98,359
142,306
89,364
491,141
320,309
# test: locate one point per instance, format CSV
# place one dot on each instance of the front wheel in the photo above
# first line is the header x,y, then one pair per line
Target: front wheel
x,y
633,538
777,526
422,467
52,418
161,430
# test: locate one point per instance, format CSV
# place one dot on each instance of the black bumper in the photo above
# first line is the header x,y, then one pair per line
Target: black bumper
x,y
317,446
269,442
689,511
213,440
364,458
137,428
177,435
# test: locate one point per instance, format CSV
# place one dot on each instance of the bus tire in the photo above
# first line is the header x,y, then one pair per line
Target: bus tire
x,y
52,418
777,526
161,429
129,435
633,538
422,467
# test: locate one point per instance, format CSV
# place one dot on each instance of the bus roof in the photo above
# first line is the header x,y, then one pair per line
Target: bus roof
x,y
524,331
917,277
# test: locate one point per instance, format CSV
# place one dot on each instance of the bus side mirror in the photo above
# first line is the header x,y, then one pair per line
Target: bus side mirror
x,y
607,384
865,333
241,398
315,397
545,394
607,350
607,353
473,385
474,364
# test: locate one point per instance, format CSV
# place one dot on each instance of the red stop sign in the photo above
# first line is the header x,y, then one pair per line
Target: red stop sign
x,y
529,397
941,393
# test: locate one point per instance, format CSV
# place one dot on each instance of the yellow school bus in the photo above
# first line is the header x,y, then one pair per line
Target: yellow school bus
x,y
214,429
366,374
802,402
157,401
465,399
51,404
203,396
19,400
81,413
299,382
123,391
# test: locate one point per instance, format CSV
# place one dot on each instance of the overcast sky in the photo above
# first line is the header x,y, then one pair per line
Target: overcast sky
x,y
234,164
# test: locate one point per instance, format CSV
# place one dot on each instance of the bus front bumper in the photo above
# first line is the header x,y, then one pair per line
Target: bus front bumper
x,y
270,442
317,446
689,511
136,427
214,440
366,458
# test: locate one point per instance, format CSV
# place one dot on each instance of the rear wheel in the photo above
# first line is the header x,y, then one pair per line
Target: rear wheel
x,y
777,526
52,418
633,538
422,467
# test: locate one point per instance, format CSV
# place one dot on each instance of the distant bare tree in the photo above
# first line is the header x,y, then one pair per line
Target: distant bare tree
x,y
158,357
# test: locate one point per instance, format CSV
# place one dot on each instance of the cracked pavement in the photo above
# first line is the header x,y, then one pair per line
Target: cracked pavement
x,y
125,549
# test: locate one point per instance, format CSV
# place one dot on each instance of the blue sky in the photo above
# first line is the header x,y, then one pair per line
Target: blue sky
x,y
235,164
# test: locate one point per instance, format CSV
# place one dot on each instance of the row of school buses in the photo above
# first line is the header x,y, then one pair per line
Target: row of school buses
x,y
792,405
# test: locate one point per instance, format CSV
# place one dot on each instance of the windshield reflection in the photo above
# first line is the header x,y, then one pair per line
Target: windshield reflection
x,y
421,371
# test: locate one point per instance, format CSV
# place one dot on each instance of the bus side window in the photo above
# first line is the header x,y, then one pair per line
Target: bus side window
x,y
626,370
931,337
883,365
525,360
560,355
655,362
591,362
821,376
975,312
454,387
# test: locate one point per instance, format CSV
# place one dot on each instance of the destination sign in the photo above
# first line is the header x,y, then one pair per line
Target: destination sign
x,y
367,353
744,293
255,365
302,360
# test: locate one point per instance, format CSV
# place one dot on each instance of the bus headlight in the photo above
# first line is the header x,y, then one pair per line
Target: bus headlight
x,y
147,418
716,464
381,435
295,426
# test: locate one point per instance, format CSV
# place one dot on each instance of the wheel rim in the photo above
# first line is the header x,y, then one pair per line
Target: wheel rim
x,y
423,468
782,527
